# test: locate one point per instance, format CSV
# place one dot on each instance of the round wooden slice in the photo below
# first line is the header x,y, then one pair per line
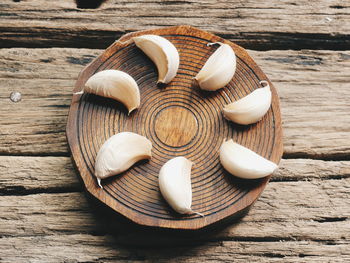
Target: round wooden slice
x,y
180,120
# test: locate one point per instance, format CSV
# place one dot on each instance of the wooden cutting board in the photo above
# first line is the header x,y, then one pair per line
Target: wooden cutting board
x,y
180,120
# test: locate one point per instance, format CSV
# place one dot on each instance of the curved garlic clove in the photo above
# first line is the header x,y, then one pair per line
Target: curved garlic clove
x,y
219,69
163,53
243,162
175,184
250,108
119,153
115,84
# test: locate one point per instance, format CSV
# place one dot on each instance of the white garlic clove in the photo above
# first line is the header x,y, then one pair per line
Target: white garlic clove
x,y
219,69
243,162
175,184
119,153
115,84
250,108
163,53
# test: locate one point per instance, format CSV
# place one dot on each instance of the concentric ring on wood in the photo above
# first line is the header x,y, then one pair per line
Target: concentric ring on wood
x,y
180,120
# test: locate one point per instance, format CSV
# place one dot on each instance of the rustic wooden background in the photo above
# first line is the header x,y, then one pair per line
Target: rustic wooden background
x,y
302,216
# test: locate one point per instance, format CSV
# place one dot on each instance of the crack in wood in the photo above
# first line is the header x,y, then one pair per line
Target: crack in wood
x,y
287,156
331,219
89,4
323,157
22,191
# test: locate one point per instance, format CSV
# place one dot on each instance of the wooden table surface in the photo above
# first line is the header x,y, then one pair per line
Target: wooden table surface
x,y
302,216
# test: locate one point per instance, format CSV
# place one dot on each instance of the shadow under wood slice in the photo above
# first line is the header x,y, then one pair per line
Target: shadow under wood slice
x,y
317,210
129,233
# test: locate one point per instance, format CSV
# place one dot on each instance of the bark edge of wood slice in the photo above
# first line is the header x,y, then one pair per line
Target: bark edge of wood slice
x,y
180,120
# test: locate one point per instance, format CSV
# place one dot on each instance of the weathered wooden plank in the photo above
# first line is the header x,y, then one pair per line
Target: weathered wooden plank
x,y
20,175
313,86
310,210
314,109
37,124
306,169
253,24
89,248
24,175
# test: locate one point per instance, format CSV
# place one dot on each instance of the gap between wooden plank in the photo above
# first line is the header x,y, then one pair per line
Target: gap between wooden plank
x,y
253,24
21,175
60,38
336,157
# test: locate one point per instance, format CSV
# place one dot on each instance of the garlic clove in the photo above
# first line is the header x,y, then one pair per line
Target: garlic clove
x,y
243,162
119,153
250,108
163,53
219,69
115,84
175,184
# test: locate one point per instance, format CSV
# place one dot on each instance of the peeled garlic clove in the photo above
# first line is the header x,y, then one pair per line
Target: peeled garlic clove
x,y
244,163
175,184
251,108
119,153
163,53
115,84
219,69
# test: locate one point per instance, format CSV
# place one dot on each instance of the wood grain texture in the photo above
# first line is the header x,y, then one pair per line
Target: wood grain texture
x,y
26,175
88,248
316,84
175,126
36,125
317,210
23,175
314,95
312,123
306,169
135,194
253,24
307,221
